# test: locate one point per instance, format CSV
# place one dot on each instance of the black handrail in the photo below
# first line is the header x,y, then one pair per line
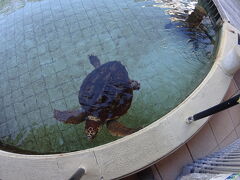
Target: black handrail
x,y
215,109
78,174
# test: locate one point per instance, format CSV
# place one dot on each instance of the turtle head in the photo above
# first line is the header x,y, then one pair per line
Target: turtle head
x,y
91,129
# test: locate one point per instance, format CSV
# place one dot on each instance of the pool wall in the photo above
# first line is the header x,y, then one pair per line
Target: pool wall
x,y
144,147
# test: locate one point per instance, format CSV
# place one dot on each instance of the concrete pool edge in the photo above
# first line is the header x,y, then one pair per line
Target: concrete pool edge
x,y
143,148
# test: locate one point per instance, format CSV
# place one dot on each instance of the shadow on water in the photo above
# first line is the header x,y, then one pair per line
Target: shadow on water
x,y
14,149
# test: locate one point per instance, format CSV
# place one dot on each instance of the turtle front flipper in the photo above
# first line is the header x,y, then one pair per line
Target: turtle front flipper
x,y
70,117
118,129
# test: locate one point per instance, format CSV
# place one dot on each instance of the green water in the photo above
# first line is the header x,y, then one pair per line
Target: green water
x,y
44,47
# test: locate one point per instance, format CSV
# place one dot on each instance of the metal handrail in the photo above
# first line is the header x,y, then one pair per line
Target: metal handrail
x,y
215,109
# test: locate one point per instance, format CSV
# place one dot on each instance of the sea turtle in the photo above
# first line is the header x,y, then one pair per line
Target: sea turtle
x,y
105,95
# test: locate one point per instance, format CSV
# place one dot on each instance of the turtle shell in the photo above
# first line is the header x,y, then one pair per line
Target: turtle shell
x,y
106,92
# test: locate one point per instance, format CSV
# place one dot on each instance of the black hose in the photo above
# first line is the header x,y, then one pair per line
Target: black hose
x,y
215,109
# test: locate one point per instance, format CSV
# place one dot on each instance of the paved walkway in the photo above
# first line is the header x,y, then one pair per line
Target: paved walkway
x,y
229,10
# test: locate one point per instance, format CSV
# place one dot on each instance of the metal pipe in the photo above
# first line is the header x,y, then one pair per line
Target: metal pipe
x,y
238,39
215,109
78,174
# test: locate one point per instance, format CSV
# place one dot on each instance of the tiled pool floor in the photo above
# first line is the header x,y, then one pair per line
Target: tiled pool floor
x,y
44,47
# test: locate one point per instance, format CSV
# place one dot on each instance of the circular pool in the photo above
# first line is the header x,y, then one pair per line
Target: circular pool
x,y
45,47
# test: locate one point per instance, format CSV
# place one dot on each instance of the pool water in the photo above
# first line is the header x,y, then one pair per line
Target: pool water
x,y
44,47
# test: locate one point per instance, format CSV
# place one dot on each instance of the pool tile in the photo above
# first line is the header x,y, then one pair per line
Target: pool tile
x,y
27,91
76,71
42,99
156,173
38,86
12,61
49,28
46,112
55,94
32,53
222,125
37,17
53,45
63,76
235,115
52,36
228,140
48,19
29,44
176,161
4,130
45,58
3,118
42,49
204,139
34,118
57,54
14,126
19,108
7,99
47,69
72,101
74,27
99,28
237,129
17,96
25,79
51,81
30,104
60,64
14,84
22,68
36,74
40,36
60,24
68,89
237,79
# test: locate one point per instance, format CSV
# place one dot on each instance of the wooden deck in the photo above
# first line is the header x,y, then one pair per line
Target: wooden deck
x,y
229,10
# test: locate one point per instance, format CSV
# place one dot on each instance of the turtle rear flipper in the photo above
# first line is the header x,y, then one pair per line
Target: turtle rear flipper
x,y
134,84
70,117
118,129
94,61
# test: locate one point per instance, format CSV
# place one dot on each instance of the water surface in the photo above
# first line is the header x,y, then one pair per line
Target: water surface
x,y
44,47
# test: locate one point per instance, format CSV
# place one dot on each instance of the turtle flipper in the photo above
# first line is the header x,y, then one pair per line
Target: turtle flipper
x,y
118,129
94,61
135,85
70,117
